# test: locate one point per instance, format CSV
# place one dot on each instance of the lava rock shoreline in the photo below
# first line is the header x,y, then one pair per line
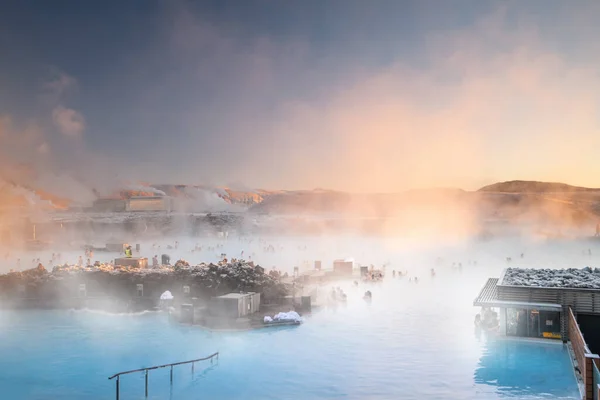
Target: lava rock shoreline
x,y
117,289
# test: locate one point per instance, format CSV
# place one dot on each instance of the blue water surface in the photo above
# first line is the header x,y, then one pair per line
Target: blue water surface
x,y
414,341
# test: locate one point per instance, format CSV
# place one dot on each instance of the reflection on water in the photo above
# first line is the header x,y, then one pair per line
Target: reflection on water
x,y
521,369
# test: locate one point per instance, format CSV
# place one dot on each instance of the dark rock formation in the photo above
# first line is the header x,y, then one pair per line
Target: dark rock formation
x,y
105,286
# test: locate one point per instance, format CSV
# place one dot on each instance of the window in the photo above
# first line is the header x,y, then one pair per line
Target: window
x,y
550,324
532,323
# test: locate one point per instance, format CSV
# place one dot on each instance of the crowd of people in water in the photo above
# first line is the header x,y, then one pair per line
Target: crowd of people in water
x,y
338,295
218,250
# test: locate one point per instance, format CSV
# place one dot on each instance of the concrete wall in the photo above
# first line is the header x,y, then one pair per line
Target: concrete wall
x,y
224,307
252,303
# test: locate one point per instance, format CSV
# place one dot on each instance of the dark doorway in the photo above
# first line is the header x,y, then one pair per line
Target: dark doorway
x,y
590,327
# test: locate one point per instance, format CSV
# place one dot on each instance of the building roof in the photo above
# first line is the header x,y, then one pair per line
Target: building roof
x,y
314,273
571,278
489,291
234,295
488,297
147,197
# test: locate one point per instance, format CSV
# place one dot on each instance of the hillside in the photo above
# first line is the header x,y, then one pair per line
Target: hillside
x,y
512,200
13,196
365,205
541,203
534,187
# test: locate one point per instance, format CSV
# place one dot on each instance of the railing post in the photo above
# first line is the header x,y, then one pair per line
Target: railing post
x,y
147,369
146,383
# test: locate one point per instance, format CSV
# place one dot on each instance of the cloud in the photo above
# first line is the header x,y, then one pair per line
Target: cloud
x,y
494,101
29,149
219,101
205,200
58,86
55,92
20,142
43,148
69,122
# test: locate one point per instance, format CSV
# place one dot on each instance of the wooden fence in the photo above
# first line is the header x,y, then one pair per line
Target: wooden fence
x,y
585,359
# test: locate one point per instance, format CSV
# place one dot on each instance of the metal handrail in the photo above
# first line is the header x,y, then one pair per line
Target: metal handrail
x,y
171,365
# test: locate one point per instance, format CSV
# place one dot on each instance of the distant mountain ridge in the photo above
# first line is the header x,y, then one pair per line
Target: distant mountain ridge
x,y
534,187
307,201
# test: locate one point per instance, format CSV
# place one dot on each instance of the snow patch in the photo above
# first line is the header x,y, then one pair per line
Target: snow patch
x,y
166,296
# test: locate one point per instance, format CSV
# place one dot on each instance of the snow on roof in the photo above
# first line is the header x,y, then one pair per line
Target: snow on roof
x,y
234,295
584,278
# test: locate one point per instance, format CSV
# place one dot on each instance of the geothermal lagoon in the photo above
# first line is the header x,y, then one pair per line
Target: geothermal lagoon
x,y
412,341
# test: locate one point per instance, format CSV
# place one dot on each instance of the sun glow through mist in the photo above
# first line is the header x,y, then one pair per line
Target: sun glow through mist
x,y
493,98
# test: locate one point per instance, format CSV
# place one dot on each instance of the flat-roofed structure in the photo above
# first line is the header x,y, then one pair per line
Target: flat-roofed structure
x,y
149,203
534,302
109,205
343,267
136,262
234,305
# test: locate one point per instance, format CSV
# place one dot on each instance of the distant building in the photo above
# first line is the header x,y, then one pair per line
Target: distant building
x,y
109,205
149,203
342,267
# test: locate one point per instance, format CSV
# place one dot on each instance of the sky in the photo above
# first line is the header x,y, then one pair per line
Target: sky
x,y
362,96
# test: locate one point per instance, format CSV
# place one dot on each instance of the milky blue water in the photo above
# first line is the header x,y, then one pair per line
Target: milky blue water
x,y
414,341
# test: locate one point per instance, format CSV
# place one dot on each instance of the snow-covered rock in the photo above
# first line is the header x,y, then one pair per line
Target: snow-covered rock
x,y
288,316
584,278
166,296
